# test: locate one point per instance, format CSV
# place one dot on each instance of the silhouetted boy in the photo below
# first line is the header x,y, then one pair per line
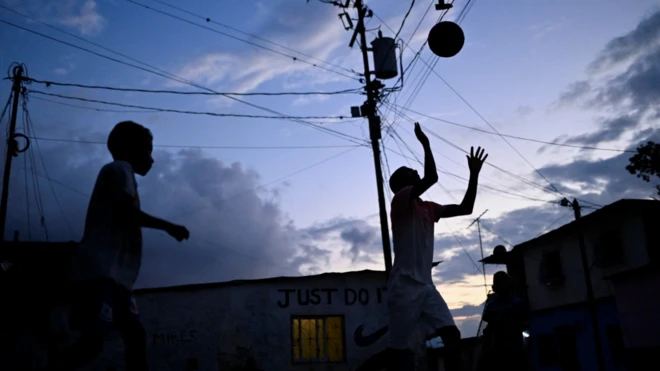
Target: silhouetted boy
x,y
506,316
108,260
413,299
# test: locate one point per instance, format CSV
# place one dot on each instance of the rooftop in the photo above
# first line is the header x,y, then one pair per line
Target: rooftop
x,y
619,207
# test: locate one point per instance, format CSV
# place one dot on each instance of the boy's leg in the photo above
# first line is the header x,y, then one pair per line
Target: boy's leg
x,y
131,330
91,314
436,314
404,306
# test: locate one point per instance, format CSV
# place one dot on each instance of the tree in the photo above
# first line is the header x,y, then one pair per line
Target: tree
x,y
646,162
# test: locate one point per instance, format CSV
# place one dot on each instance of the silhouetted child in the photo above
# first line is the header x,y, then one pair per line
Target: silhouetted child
x,y
109,257
506,316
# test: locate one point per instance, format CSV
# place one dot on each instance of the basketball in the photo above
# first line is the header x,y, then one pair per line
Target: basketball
x,y
446,39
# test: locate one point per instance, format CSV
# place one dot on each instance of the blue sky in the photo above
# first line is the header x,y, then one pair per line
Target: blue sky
x,y
519,61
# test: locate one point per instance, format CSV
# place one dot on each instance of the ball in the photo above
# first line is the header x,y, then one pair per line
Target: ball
x,y
446,39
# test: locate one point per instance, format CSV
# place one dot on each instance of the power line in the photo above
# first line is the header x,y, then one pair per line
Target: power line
x,y
253,35
294,58
92,108
181,80
201,146
405,17
156,109
155,91
508,135
529,182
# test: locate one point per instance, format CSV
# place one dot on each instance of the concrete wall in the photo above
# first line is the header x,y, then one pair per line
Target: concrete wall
x,y
578,317
223,326
638,303
574,288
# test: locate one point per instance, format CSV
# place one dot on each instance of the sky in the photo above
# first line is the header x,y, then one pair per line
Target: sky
x,y
580,73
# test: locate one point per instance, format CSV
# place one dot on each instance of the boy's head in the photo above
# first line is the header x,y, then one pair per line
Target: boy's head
x,y
403,177
502,283
133,143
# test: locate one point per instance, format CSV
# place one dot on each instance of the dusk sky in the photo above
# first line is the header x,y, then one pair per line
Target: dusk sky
x,y
579,73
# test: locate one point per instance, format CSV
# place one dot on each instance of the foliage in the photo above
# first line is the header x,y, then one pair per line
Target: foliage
x,y
646,162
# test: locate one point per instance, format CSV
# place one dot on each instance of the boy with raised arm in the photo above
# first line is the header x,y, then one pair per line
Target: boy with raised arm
x,y
109,257
412,297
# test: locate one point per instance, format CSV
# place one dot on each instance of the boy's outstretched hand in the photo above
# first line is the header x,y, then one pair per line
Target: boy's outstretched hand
x,y
476,161
179,232
420,135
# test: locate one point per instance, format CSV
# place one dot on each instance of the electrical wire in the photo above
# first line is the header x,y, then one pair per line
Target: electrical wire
x,y
200,146
294,58
207,19
528,182
405,17
178,79
136,90
508,135
156,109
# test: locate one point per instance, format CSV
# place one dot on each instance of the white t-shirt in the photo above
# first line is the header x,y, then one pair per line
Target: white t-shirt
x,y
111,246
413,235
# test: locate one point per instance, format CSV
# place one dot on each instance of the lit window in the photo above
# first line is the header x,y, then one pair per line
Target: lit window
x,y
318,339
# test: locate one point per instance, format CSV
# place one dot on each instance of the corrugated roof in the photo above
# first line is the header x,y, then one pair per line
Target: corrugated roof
x,y
210,285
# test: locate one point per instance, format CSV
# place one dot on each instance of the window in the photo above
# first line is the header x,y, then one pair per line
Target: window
x,y
318,339
547,349
608,250
551,269
615,341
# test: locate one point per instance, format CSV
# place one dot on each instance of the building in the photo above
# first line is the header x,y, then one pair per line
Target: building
x,y
621,241
331,321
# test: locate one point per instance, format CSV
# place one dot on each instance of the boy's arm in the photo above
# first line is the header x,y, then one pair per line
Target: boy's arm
x,y
430,170
475,162
123,191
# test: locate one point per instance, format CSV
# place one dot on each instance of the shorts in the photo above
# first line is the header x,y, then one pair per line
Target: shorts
x,y
414,307
102,306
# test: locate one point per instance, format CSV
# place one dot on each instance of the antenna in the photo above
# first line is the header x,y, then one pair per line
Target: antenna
x,y
481,247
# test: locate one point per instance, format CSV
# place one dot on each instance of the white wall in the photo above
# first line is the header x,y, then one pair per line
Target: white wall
x,y
213,323
574,288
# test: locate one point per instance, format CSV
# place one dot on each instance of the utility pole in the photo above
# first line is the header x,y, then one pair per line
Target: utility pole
x,y
369,110
481,247
12,148
591,301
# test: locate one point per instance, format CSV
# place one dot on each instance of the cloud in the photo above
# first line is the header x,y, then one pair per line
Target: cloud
x,y
543,29
623,49
82,16
360,239
623,82
311,29
238,230
87,20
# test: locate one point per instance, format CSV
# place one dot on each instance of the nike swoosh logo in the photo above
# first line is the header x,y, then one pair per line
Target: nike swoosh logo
x,y
364,341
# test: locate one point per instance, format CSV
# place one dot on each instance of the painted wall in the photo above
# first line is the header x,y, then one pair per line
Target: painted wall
x,y
638,303
547,322
223,326
573,290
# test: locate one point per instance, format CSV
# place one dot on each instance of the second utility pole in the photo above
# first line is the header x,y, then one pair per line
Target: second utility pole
x,y
11,149
374,130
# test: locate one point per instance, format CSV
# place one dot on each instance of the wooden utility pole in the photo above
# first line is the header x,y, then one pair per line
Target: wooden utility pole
x,y
374,134
368,109
11,148
591,301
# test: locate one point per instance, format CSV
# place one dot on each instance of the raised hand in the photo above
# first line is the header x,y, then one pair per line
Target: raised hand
x,y
420,135
476,161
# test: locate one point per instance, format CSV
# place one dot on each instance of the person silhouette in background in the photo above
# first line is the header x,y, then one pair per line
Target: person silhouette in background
x,y
412,297
506,316
109,256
